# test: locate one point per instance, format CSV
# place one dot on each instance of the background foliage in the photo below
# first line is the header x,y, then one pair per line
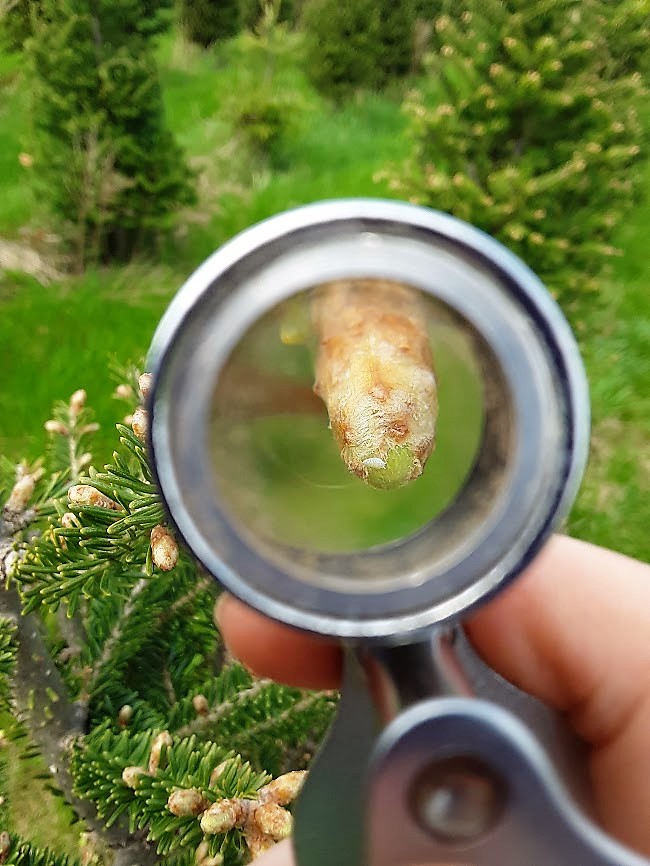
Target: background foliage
x,y
209,141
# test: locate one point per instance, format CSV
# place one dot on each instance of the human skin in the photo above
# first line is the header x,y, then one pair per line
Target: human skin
x,y
573,630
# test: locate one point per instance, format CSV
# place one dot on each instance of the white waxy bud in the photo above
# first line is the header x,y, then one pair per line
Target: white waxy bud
x,y
257,841
284,789
123,392
220,817
202,852
77,401
162,741
200,704
186,802
84,494
144,384
59,427
274,821
217,772
22,492
89,428
125,715
140,423
164,549
131,776
69,520
202,856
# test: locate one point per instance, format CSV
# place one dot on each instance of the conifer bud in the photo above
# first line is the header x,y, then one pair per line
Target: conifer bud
x,y
220,817
22,492
202,856
164,549
200,704
186,802
274,821
84,494
140,423
144,384
217,772
123,392
58,427
162,741
125,715
131,776
77,401
285,788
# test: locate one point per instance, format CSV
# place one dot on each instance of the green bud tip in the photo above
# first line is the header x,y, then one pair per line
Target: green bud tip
x,y
394,470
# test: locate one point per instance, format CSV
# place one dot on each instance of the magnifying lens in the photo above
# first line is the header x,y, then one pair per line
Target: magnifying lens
x,y
251,463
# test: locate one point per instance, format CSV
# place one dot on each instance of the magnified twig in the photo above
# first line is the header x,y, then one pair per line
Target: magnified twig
x,y
374,372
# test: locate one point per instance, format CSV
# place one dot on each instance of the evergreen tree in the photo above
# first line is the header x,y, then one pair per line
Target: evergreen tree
x,y
16,22
117,650
364,44
251,12
109,166
526,128
207,21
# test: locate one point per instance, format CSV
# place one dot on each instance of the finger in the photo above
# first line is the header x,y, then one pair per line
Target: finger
x,y
574,632
273,650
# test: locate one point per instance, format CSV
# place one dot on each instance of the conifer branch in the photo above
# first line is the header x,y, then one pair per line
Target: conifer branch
x,y
114,637
54,722
212,716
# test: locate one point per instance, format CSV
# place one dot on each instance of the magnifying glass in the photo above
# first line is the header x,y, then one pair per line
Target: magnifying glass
x,y
296,519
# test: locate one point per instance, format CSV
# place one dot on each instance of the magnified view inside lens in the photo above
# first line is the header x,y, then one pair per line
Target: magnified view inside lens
x,y
347,418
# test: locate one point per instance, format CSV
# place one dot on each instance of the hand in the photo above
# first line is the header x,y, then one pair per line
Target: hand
x,y
574,631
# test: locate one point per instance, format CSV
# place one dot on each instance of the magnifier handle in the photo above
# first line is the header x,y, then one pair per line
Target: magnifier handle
x,y
463,781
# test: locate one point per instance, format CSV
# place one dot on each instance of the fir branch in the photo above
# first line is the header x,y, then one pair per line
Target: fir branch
x,y
201,722
21,853
188,794
7,660
187,599
101,536
54,721
114,637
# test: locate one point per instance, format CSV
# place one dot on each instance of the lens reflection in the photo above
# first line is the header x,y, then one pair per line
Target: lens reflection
x,y
276,461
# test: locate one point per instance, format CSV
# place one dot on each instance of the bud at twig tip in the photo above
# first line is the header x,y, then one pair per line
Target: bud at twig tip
x,y
164,549
77,401
144,384
140,423
186,802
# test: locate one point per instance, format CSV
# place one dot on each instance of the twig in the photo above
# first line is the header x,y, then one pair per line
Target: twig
x,y
116,633
202,722
54,722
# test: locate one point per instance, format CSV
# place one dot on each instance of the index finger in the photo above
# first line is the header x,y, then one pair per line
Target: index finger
x,y
578,614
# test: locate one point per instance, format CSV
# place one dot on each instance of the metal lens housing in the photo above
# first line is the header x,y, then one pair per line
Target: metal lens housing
x,y
533,439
